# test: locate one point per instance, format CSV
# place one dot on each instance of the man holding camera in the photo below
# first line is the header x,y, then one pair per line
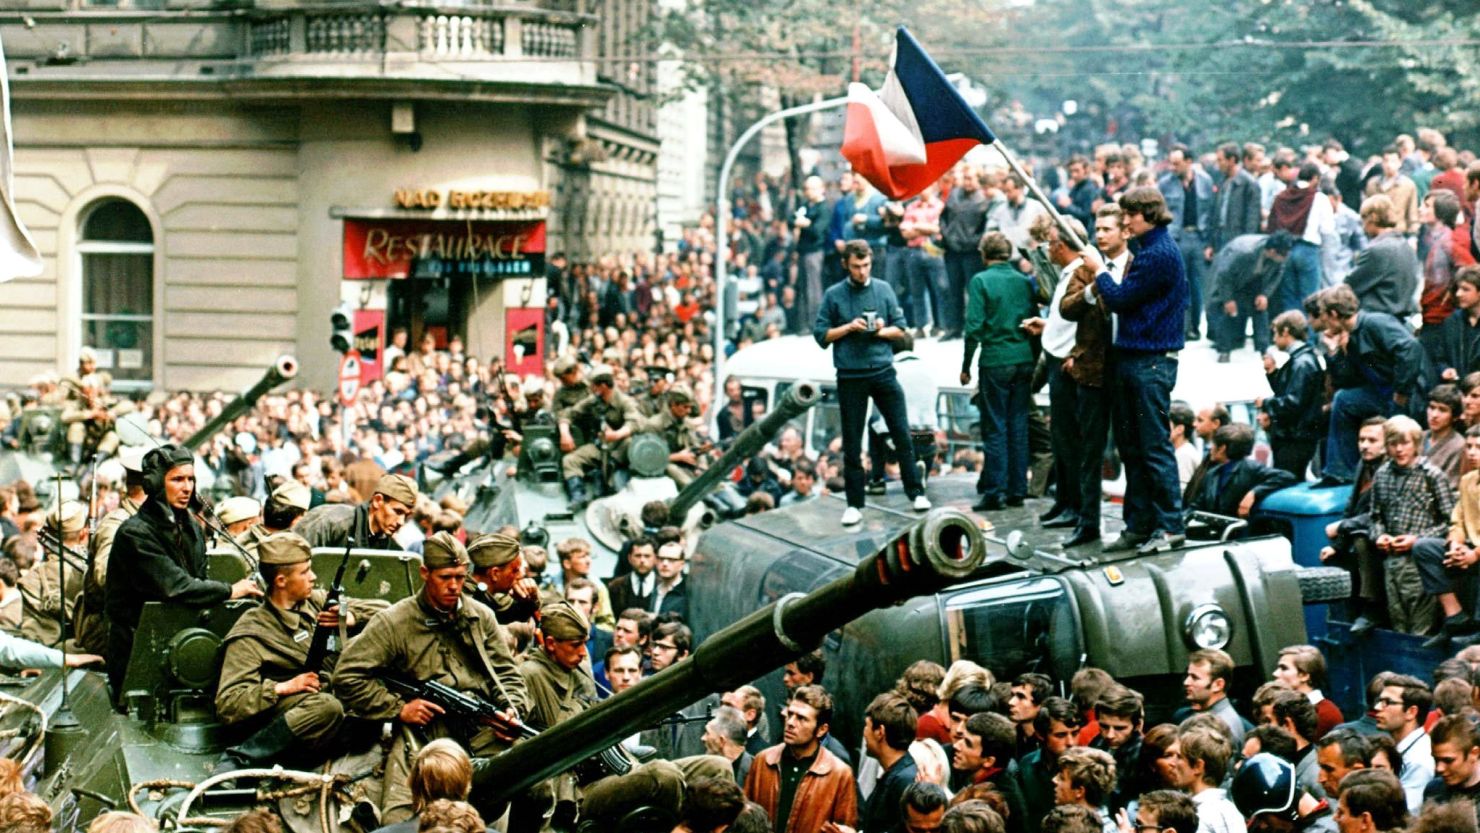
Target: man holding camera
x,y
859,317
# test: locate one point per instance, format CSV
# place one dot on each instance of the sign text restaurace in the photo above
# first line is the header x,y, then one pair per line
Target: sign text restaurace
x,y
383,247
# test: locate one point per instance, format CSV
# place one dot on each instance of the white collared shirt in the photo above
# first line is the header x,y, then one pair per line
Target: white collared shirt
x,y
1418,767
1058,332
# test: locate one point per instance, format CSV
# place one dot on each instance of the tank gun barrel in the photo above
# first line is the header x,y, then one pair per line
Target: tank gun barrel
x,y
801,396
285,368
942,549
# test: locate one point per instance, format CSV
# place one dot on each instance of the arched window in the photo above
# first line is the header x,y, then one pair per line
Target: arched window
x,y
117,251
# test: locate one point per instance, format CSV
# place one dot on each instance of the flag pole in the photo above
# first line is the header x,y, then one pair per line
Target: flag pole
x,y
1067,233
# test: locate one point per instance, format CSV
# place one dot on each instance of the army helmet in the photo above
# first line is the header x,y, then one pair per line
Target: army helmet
x,y
1266,784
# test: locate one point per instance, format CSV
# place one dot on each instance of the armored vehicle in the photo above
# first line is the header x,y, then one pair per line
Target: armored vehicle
x,y
41,437
1032,607
534,496
156,755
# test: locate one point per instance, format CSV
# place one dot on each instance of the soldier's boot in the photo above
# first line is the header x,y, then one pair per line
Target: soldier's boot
x,y
575,489
263,748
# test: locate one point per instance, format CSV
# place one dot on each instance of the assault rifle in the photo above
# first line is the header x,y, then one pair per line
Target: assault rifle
x,y
473,709
318,649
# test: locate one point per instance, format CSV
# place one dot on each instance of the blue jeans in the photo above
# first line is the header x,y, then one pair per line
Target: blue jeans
x,y
1141,388
897,275
927,273
1302,276
960,267
888,397
1349,408
1227,331
1191,245
1004,407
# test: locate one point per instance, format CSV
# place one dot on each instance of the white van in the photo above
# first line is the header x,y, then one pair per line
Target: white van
x,y
767,369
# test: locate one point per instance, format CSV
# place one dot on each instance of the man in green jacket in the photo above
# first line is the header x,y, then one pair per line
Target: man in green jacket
x,y
1000,319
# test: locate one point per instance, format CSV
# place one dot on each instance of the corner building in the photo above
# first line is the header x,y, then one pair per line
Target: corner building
x,y
207,182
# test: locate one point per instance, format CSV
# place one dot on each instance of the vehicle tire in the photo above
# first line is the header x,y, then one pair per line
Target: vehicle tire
x,y
1319,585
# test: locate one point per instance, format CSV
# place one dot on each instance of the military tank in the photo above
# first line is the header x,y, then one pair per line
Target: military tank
x,y
156,754
535,496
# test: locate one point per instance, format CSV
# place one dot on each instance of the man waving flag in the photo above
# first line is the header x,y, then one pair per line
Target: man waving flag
x,y
910,132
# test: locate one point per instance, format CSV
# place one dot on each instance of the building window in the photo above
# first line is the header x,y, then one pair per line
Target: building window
x,y
117,253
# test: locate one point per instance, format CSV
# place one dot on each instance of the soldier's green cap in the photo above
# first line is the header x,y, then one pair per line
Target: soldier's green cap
x,y
602,376
680,394
443,550
560,620
69,518
281,549
493,550
397,487
291,494
564,365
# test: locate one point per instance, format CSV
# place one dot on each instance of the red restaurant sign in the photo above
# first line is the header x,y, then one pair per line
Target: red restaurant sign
x,y
441,248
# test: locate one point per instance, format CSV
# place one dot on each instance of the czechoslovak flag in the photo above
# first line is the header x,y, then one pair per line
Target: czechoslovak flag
x,y
910,132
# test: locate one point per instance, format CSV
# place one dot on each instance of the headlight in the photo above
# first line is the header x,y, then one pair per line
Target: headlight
x,y
1208,627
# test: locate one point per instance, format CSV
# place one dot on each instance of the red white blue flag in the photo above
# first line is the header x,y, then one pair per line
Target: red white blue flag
x,y
907,134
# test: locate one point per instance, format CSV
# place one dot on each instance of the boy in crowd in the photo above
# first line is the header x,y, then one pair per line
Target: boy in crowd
x,y
1351,539
1442,444
1235,483
1412,503
1293,416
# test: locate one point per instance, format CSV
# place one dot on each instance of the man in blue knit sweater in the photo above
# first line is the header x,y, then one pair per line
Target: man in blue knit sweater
x,y
1150,302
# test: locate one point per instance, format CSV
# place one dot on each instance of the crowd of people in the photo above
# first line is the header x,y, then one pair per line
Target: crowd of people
x,y
1357,282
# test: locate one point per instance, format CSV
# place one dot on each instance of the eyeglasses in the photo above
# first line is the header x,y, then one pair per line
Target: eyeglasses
x,y
668,558
1383,702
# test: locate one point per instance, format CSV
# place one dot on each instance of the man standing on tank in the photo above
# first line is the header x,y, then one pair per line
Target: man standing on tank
x,y
859,317
1150,304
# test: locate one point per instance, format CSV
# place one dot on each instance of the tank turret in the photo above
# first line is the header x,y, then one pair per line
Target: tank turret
x,y
944,548
285,368
794,403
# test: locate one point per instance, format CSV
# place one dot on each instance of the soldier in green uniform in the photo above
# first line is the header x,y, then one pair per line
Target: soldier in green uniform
x,y
552,671
572,388
283,510
498,570
90,415
42,592
593,415
370,525
673,424
660,379
434,635
264,677
91,624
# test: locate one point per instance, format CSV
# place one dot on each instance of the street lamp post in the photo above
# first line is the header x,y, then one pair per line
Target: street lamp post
x,y
722,228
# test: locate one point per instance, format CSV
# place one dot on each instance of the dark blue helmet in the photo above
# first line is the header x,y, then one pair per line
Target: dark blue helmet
x,y
1266,784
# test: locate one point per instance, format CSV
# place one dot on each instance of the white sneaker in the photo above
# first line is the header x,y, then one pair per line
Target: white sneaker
x,y
852,517
922,504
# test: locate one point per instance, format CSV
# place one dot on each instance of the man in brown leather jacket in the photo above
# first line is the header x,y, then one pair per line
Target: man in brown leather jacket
x,y
799,779
1086,366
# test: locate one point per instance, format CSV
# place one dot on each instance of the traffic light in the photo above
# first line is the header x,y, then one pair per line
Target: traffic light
x,y
341,337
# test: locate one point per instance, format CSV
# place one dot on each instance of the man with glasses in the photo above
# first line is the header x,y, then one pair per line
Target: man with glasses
x,y
1165,811
681,734
670,595
1401,710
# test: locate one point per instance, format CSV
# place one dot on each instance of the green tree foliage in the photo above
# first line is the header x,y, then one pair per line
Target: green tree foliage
x,y
1284,71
